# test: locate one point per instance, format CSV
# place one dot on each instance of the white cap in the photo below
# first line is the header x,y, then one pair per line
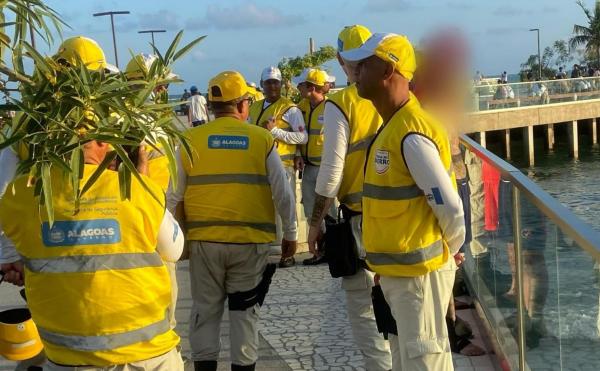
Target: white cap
x,y
297,80
330,78
111,68
270,73
253,84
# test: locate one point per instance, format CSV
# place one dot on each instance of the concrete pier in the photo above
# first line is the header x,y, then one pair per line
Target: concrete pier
x,y
529,145
507,143
550,136
573,139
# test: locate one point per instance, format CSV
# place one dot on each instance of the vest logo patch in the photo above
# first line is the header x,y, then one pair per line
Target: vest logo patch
x,y
81,232
228,142
321,118
382,161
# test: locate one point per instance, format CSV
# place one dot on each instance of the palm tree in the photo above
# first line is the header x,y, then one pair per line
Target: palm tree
x,y
588,35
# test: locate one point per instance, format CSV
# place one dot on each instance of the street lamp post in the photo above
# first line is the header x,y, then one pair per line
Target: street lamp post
x,y
112,25
539,54
152,32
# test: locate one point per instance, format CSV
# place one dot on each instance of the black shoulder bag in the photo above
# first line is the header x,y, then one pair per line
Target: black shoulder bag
x,y
340,247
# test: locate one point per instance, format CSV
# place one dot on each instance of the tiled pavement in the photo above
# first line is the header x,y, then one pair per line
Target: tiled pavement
x,y
303,324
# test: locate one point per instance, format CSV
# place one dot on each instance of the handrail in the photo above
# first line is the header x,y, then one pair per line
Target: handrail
x,y
537,82
581,232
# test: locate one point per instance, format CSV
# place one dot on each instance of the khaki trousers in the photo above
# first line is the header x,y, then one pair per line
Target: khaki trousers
x,y
170,361
218,269
172,268
375,349
291,177
419,305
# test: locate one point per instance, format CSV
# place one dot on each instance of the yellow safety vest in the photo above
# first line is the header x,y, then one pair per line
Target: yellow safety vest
x,y
228,197
260,115
304,106
401,234
97,289
364,121
314,119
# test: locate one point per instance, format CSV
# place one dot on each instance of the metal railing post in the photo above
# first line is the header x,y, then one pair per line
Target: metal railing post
x,y
516,209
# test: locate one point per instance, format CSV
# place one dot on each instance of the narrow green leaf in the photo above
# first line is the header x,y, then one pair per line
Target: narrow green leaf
x,y
132,168
47,191
187,48
110,156
124,182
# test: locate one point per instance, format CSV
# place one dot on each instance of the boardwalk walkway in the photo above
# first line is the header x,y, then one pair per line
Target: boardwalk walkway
x,y
303,324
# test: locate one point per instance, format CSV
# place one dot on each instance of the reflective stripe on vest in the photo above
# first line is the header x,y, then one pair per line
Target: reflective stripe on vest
x,y
414,257
391,193
266,227
228,178
352,198
314,132
314,159
106,342
287,157
362,144
93,263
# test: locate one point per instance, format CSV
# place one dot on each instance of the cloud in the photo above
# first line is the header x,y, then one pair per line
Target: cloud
x,y
381,6
161,19
244,16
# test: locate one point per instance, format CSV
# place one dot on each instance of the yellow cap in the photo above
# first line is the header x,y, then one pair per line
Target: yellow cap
x,y
352,37
227,86
78,48
317,77
19,338
392,48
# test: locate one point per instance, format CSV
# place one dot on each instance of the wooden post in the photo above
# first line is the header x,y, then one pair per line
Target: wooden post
x,y
573,139
594,131
528,140
507,143
550,132
482,139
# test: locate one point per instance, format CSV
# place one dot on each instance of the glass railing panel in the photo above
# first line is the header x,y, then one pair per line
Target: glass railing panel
x,y
487,265
554,256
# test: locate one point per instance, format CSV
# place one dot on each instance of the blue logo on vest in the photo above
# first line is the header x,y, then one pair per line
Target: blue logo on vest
x,y
81,232
228,142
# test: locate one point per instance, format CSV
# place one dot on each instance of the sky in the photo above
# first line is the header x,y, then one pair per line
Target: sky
x,y
248,35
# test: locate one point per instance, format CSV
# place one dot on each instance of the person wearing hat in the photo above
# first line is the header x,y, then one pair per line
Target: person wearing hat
x,y
72,52
351,122
226,195
330,83
413,222
67,267
198,112
312,87
284,120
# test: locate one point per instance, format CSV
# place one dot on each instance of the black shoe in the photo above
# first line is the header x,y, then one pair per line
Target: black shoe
x,y
287,262
242,368
314,260
205,365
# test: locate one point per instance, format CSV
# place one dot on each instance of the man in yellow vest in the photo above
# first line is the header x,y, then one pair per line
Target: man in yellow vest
x,y
413,220
350,124
96,283
313,87
70,52
227,192
284,120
